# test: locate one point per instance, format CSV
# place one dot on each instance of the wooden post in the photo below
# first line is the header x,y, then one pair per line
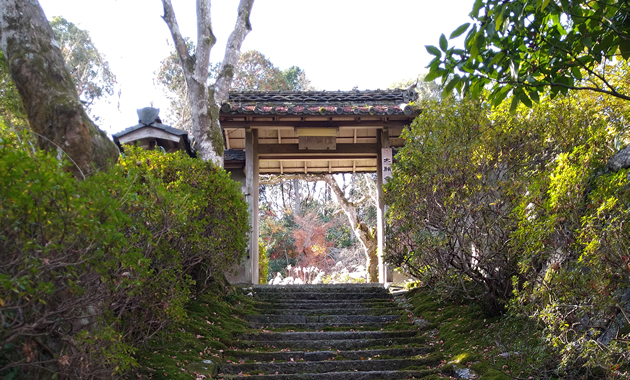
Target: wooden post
x,y
251,183
384,162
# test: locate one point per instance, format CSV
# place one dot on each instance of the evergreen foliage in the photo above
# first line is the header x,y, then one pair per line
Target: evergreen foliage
x,y
518,210
524,48
90,269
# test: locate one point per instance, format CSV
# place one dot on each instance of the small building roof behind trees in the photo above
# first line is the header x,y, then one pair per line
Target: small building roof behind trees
x,y
150,133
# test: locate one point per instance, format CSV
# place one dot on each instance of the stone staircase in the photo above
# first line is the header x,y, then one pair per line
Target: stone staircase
x,y
346,331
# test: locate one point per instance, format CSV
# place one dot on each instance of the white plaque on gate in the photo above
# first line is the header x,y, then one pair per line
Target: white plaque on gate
x,y
386,163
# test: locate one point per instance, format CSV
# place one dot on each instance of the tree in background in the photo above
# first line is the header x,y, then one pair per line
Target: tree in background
x,y
426,89
88,68
253,72
524,48
205,101
297,79
47,92
171,77
357,203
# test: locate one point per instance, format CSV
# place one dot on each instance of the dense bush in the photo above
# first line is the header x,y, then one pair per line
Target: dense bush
x,y
89,269
519,211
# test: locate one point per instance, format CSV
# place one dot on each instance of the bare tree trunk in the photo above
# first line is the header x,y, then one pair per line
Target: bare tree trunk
x,y
205,102
367,237
297,200
48,93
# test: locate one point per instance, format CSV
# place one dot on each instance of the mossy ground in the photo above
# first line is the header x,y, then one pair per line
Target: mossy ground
x,y
211,326
460,334
499,348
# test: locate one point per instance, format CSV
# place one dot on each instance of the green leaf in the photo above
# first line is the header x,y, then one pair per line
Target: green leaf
x,y
514,104
459,31
475,11
443,43
525,99
576,72
448,89
497,57
433,50
624,48
432,75
473,49
499,19
533,94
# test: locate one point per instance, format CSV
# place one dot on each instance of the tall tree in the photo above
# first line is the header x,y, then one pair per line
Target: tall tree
x,y
47,90
527,47
88,67
253,72
205,101
256,72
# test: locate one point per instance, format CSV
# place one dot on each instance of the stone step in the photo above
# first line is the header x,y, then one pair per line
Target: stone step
x,y
317,326
327,335
327,366
332,288
323,304
371,375
361,347
331,319
345,311
335,344
326,355
324,296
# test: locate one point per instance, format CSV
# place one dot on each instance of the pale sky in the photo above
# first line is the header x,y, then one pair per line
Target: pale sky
x,y
339,43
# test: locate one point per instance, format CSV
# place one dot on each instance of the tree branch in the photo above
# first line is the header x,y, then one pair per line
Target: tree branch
x,y
205,41
233,51
180,43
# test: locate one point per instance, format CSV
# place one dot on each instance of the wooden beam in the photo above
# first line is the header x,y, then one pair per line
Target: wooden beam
x,y
227,140
286,149
340,169
316,158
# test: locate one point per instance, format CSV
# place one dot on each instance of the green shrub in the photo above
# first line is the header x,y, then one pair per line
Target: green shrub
x,y
62,251
210,235
91,269
519,210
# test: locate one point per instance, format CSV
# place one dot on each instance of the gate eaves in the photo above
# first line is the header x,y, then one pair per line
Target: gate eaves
x,y
318,131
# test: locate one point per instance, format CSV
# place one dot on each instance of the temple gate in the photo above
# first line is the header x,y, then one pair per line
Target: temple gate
x,y
312,132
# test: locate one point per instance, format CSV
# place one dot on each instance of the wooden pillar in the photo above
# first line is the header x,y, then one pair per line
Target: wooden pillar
x,y
384,164
251,183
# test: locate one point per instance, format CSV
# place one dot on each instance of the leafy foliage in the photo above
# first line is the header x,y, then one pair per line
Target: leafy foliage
x,y
92,268
518,210
11,109
523,48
